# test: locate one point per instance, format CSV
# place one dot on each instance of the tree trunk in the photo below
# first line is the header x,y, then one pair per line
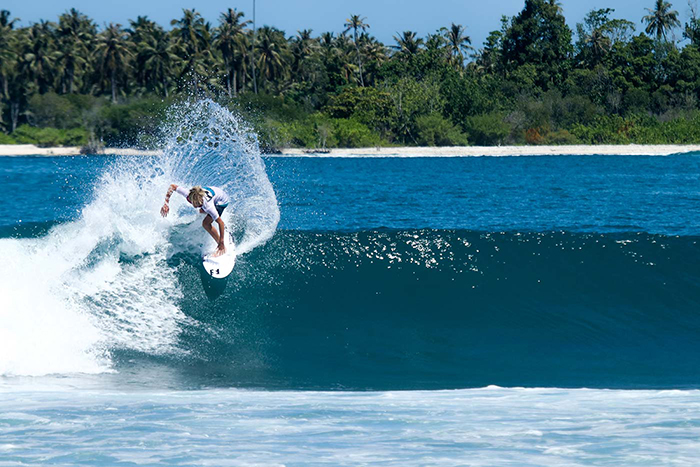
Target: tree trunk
x,y
359,60
235,84
4,95
14,114
70,81
255,81
165,87
114,88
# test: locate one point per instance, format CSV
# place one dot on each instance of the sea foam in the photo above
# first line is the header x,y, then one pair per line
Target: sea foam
x,y
103,282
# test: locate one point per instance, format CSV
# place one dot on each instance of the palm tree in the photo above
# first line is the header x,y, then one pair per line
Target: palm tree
x,y
5,20
191,31
39,55
7,57
458,43
193,36
558,6
272,54
375,55
436,41
76,33
343,52
229,39
332,58
141,28
253,38
408,43
357,23
159,56
326,40
661,19
113,54
142,35
304,47
599,43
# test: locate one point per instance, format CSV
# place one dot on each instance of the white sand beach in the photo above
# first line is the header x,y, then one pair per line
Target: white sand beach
x,y
466,151
31,150
456,151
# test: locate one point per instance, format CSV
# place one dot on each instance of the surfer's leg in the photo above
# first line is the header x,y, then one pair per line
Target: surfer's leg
x,y
206,223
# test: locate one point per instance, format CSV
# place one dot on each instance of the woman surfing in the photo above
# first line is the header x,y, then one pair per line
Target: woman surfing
x,y
210,200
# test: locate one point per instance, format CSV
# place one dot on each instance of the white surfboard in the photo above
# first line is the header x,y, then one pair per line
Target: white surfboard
x,y
221,266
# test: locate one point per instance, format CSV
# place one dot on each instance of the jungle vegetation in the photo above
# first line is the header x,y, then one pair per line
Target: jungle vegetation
x,y
533,81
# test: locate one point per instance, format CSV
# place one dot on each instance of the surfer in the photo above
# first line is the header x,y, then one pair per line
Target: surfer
x,y
210,200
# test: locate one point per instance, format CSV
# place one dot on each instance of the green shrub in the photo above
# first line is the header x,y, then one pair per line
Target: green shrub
x,y
435,130
412,99
604,130
274,135
640,129
323,132
487,130
369,106
6,139
316,131
352,134
49,137
25,134
74,137
126,124
302,134
54,111
258,106
560,137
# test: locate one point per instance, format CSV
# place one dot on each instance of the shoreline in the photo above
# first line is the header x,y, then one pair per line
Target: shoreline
x,y
18,150
501,151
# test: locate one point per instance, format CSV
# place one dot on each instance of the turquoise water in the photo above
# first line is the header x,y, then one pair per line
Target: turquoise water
x,y
382,310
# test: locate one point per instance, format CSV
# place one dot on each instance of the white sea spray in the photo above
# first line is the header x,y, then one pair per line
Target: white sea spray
x,y
102,281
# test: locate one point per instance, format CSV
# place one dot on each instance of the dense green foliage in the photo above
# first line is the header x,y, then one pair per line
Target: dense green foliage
x,y
533,81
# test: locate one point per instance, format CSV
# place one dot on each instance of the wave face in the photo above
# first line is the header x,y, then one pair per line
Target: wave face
x,y
73,296
444,309
328,302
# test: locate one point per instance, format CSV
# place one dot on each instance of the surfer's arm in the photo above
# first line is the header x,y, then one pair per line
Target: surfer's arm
x,y
171,188
166,208
222,227
221,247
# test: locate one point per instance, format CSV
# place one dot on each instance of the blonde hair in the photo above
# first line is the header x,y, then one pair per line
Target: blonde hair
x,y
196,196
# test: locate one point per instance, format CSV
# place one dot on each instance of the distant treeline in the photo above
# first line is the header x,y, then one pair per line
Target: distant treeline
x,y
532,82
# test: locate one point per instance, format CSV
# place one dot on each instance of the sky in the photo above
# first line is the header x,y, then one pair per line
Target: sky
x,y
386,18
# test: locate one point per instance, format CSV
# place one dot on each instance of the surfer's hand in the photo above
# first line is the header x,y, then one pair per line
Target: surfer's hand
x,y
165,210
221,250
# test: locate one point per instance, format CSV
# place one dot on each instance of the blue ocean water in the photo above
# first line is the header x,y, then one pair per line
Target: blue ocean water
x,y
538,271
401,311
600,194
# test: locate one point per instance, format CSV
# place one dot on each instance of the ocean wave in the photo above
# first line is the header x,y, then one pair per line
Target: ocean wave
x,y
381,309
438,309
71,294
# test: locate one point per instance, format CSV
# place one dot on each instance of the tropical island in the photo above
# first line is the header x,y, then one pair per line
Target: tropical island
x,y
533,82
